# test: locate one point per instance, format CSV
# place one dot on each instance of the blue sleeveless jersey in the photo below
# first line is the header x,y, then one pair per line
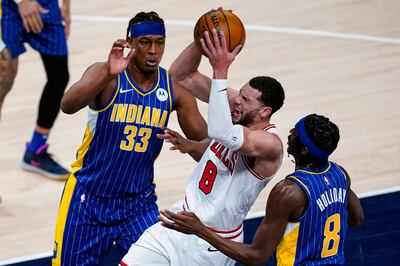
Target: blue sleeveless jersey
x,y
317,238
116,157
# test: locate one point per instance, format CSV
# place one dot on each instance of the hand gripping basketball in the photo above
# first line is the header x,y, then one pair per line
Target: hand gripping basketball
x,y
223,21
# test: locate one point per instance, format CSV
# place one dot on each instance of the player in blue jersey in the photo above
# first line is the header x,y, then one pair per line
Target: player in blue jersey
x,y
109,196
44,26
307,213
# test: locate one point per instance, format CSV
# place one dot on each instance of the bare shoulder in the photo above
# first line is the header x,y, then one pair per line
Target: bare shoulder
x,y
289,194
264,151
270,143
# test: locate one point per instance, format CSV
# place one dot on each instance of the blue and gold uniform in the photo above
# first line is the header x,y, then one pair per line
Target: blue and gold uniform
x,y
317,238
110,193
50,41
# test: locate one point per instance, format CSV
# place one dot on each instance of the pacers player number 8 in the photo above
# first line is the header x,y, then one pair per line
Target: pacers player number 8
x,y
129,143
332,238
208,177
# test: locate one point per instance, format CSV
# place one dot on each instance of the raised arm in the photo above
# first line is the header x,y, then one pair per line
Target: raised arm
x,y
97,83
184,71
94,81
190,120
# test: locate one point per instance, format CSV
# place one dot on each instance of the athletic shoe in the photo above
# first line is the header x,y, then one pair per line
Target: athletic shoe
x,y
41,162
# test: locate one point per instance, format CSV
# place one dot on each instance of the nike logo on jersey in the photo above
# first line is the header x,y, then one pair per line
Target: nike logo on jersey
x,y
123,91
210,249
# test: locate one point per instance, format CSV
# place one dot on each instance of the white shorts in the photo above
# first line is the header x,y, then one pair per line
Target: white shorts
x,y
161,246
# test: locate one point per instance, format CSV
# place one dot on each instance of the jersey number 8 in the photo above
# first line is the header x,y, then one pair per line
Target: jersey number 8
x,y
208,177
332,238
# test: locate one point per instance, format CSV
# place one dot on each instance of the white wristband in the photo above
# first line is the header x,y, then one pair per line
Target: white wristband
x,y
18,1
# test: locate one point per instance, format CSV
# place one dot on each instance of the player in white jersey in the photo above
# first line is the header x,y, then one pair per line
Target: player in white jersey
x,y
223,187
244,154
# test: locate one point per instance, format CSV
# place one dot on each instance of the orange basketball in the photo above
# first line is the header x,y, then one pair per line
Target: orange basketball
x,y
233,28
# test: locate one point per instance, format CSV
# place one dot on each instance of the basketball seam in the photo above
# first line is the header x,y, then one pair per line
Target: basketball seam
x,y
228,30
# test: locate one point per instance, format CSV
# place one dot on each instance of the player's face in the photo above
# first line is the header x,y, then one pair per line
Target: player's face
x,y
294,143
291,140
149,50
246,106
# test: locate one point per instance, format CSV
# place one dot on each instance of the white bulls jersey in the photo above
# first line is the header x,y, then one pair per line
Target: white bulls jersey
x,y
223,187
220,191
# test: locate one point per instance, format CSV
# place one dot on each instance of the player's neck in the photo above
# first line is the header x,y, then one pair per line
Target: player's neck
x,y
313,166
144,80
259,125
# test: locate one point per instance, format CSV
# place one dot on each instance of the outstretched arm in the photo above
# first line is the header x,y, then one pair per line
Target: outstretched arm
x,y
97,83
190,120
255,143
184,71
285,199
194,148
93,82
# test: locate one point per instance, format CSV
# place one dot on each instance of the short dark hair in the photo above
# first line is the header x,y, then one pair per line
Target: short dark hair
x,y
143,17
272,93
322,132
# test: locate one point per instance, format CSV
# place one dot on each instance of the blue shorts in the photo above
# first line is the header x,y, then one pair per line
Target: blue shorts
x,y
87,225
51,40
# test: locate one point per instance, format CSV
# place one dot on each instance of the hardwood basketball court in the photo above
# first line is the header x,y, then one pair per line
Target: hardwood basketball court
x,y
336,58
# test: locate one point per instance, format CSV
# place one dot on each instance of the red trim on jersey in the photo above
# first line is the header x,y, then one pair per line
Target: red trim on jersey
x,y
257,175
123,263
269,126
226,231
187,205
223,233
246,160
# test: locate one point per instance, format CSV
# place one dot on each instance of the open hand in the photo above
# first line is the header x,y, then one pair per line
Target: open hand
x,y
218,55
183,221
116,61
178,142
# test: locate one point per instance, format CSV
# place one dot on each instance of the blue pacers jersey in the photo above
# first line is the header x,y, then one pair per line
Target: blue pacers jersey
x,y
116,157
317,238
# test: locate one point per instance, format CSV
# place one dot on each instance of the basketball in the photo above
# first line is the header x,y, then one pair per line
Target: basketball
x,y
224,20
